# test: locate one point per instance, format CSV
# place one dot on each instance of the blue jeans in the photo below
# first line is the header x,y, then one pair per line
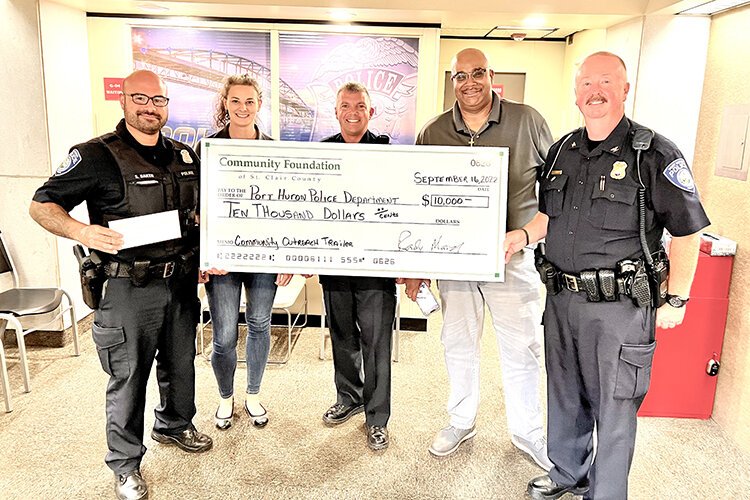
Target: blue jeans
x,y
224,302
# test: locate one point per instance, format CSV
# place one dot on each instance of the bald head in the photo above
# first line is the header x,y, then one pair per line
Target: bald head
x,y
144,121
143,77
475,56
472,84
603,55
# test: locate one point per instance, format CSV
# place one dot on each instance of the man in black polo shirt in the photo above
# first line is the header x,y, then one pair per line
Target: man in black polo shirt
x,y
598,329
360,309
149,307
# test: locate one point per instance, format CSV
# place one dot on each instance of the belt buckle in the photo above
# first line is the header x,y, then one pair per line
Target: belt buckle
x,y
571,283
168,269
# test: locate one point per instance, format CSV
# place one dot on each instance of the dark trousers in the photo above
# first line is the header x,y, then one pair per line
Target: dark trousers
x,y
133,326
598,358
360,314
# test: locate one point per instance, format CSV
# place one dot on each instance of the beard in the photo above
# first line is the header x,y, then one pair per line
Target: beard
x,y
138,122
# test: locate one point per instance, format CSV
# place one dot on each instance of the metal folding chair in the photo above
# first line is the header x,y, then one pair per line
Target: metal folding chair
x,y
19,302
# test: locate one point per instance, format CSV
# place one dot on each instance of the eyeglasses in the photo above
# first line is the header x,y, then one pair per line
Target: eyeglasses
x,y
476,74
159,100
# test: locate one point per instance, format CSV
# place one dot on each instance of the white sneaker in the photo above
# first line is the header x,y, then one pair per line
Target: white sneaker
x,y
537,450
449,439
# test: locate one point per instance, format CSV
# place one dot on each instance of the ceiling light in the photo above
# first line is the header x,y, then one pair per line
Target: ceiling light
x,y
714,7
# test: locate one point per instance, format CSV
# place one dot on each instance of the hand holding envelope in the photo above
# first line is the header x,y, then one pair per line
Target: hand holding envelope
x,y
147,229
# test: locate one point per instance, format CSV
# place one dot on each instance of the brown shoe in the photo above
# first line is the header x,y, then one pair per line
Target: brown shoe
x,y
189,440
377,437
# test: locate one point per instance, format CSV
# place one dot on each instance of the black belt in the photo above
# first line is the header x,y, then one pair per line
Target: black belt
x,y
575,283
163,270
571,282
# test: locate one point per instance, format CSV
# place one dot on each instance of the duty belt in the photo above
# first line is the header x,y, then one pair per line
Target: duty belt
x,y
161,270
629,278
598,284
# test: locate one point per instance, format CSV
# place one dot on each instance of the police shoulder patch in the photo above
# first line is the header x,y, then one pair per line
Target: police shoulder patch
x,y
678,173
69,163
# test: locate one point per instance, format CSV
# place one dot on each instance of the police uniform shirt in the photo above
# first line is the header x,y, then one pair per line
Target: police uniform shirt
x,y
591,198
367,138
90,173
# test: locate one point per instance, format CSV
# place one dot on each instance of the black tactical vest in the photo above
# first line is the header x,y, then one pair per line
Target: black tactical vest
x,y
150,189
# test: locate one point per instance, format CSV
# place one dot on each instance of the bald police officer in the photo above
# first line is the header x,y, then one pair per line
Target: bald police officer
x,y
598,327
149,308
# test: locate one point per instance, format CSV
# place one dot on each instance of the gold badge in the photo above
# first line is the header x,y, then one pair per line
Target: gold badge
x,y
618,170
186,158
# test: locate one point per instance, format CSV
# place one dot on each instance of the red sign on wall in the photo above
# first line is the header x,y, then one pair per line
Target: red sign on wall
x,y
498,88
112,88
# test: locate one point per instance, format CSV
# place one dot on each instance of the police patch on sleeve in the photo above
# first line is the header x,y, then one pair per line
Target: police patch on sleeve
x,y
69,163
186,158
678,173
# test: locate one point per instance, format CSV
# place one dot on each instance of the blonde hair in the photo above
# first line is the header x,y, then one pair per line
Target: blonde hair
x,y
221,116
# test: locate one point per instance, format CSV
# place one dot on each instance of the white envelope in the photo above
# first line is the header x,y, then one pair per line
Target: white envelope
x,y
146,229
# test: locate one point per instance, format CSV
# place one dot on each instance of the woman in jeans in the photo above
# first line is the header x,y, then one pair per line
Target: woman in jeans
x,y
238,103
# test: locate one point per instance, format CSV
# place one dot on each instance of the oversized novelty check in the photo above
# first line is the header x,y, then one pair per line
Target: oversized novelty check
x,y
353,209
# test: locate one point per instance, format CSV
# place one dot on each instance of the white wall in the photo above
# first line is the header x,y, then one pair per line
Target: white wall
x,y
69,114
24,163
670,77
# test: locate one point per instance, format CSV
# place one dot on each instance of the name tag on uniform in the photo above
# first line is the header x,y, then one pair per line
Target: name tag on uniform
x,y
147,229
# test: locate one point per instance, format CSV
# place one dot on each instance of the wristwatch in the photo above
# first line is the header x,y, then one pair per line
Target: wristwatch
x,y
676,300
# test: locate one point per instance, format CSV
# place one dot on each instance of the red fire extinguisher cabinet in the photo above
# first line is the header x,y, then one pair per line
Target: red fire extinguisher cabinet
x,y
680,383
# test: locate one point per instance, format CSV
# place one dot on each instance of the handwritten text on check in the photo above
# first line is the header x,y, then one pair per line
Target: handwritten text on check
x,y
353,209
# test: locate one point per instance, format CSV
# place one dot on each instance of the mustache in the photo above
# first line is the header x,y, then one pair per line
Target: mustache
x,y
148,113
596,97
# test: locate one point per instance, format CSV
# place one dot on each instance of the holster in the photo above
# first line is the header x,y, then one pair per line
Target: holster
x,y
139,273
92,277
547,271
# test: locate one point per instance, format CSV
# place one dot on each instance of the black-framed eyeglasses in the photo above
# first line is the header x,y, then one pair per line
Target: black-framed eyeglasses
x,y
476,74
159,100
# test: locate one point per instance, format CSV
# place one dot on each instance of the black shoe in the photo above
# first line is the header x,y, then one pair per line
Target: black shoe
x,y
258,420
131,486
377,437
544,488
338,413
189,440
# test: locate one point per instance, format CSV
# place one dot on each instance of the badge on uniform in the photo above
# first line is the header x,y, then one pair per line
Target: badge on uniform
x,y
69,163
618,170
678,173
186,158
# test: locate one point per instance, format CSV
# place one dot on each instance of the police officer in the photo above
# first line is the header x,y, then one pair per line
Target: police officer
x,y
149,307
360,309
599,332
